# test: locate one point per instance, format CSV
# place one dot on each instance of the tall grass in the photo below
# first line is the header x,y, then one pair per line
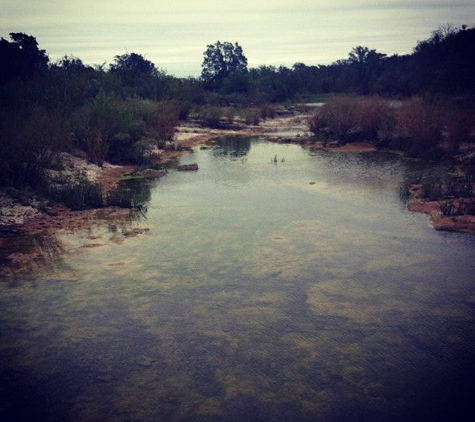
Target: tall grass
x,y
419,127
350,118
420,123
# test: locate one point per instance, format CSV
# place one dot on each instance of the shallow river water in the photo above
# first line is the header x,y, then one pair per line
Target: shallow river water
x,y
275,284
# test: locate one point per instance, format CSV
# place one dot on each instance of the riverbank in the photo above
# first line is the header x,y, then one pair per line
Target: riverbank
x,y
456,223
24,216
21,216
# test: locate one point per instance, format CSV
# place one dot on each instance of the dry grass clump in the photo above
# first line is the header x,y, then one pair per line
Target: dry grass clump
x,y
420,124
419,127
350,118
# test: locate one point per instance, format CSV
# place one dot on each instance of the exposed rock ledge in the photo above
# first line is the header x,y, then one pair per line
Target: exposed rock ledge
x,y
459,223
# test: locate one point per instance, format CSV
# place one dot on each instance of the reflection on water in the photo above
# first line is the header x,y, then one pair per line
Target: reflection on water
x,y
233,147
298,290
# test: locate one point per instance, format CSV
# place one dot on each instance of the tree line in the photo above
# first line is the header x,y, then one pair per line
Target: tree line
x,y
444,64
118,112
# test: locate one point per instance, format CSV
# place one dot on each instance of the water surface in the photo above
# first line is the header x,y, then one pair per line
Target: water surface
x,y
275,284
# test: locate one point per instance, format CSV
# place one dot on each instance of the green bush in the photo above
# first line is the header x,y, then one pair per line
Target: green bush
x,y
159,118
117,131
211,116
130,194
251,116
29,143
107,128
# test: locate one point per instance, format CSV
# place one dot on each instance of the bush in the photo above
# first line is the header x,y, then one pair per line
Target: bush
x,y
447,187
115,130
421,128
455,207
420,123
106,128
159,118
29,143
372,115
130,195
251,116
349,118
211,116
142,152
460,127
338,116
267,111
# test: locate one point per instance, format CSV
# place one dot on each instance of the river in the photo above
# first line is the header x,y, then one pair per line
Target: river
x,y
275,284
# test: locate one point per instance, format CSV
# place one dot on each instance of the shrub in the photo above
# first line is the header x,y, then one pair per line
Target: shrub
x,y
436,187
117,131
230,112
415,126
372,114
130,194
29,143
106,128
349,118
160,118
211,116
267,111
420,122
251,116
142,152
460,127
455,207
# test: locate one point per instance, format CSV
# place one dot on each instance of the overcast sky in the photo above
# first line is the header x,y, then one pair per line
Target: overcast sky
x,y
173,34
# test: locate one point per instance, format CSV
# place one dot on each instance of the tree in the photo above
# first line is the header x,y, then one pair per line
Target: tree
x,y
445,62
222,60
133,64
71,83
21,57
367,66
139,76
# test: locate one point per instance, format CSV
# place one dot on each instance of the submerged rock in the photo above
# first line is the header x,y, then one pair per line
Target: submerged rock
x,y
188,167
